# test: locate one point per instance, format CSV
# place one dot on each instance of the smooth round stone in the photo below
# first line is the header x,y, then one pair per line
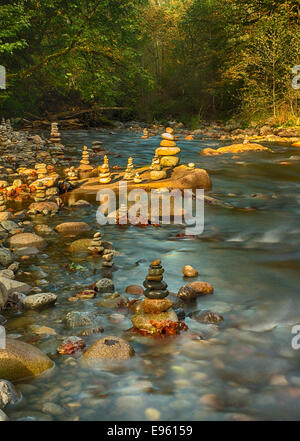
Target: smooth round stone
x,y
168,136
156,262
154,278
189,271
155,306
156,175
143,320
165,143
27,240
110,347
156,294
167,151
72,228
169,161
20,360
155,285
155,272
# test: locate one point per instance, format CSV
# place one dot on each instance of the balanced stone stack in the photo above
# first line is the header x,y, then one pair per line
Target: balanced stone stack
x,y
72,174
145,134
137,179
40,194
104,172
85,168
168,150
2,203
96,245
107,257
3,133
155,311
41,170
155,163
54,134
129,172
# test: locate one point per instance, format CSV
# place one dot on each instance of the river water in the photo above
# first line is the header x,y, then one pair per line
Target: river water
x,y
249,251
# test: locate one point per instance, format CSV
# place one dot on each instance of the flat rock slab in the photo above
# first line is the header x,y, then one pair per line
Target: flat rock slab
x,y
180,177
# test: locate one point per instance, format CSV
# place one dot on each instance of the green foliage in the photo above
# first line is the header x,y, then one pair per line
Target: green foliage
x,y
189,60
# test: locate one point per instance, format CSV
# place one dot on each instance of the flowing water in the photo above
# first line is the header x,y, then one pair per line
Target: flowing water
x,y
249,252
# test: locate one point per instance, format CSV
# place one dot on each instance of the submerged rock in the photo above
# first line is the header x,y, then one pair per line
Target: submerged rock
x,y
3,416
27,240
105,286
207,317
189,271
76,319
110,347
6,257
38,301
191,291
72,228
8,394
20,360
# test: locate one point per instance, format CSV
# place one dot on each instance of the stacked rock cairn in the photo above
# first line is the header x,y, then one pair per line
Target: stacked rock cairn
x,y
3,133
72,174
129,172
97,248
137,179
85,168
104,172
40,194
155,315
168,150
145,134
41,170
54,134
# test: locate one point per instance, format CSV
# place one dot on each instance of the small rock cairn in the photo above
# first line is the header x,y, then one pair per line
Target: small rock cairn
x,y
154,315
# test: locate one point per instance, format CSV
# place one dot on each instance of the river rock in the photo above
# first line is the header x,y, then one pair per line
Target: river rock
x,y
9,225
201,288
143,321
6,256
156,175
109,347
155,306
38,301
27,240
76,319
3,416
72,228
3,296
169,161
44,230
5,215
8,394
41,206
105,286
20,360
136,290
189,271
207,317
11,285
52,409
80,245
167,151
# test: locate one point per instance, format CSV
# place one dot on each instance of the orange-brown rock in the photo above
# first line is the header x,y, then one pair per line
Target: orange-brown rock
x,y
235,148
155,306
167,151
135,290
169,130
189,271
167,143
209,152
156,262
296,144
154,278
72,227
201,288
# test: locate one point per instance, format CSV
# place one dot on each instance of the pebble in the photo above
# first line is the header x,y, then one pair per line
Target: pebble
x,y
189,271
52,409
152,414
